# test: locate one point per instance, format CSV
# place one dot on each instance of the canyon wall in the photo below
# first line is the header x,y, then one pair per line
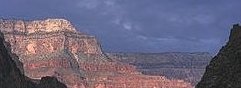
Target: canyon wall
x,y
53,47
186,66
224,69
11,75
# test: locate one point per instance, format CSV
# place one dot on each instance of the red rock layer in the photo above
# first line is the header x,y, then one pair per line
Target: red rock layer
x,y
53,47
119,76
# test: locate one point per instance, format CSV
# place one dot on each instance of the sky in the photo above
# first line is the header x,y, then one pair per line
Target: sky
x,y
139,25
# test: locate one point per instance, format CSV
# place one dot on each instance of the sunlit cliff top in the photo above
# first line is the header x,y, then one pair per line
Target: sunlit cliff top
x,y
32,26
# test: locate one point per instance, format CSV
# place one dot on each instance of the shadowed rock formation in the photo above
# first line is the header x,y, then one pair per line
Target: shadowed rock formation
x,y
50,82
53,47
186,66
224,69
12,77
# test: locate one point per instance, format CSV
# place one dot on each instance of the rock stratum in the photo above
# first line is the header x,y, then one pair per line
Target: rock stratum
x,y
224,69
173,65
53,47
11,75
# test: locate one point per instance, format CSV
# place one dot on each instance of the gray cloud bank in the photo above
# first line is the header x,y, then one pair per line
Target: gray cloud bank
x,y
139,25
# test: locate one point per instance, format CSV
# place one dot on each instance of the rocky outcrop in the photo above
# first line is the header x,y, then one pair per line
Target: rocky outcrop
x,y
224,69
186,66
53,47
12,77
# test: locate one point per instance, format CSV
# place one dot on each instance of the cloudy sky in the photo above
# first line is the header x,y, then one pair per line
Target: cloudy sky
x,y
139,25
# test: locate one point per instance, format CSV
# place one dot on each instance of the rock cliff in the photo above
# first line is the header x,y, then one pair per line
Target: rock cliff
x,y
224,69
11,75
53,47
49,47
186,66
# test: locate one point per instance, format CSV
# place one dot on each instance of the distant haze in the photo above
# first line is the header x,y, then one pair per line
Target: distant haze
x,y
139,25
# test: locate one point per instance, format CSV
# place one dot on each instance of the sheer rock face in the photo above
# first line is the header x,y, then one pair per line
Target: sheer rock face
x,y
224,69
53,47
186,66
11,75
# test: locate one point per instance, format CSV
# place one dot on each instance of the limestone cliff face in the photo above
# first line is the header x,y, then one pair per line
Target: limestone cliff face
x,y
224,69
53,47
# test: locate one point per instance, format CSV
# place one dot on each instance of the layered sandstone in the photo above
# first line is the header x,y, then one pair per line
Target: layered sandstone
x,y
53,47
46,36
224,69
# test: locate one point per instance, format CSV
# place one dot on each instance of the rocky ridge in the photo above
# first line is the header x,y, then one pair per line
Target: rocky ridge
x,y
53,47
224,69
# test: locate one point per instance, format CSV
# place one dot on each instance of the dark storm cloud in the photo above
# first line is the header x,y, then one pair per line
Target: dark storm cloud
x,y
139,25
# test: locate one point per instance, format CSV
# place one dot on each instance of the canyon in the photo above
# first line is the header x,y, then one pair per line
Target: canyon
x,y
54,47
174,65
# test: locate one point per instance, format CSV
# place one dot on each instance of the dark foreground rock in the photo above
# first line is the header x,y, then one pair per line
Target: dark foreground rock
x,y
50,82
12,77
224,69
